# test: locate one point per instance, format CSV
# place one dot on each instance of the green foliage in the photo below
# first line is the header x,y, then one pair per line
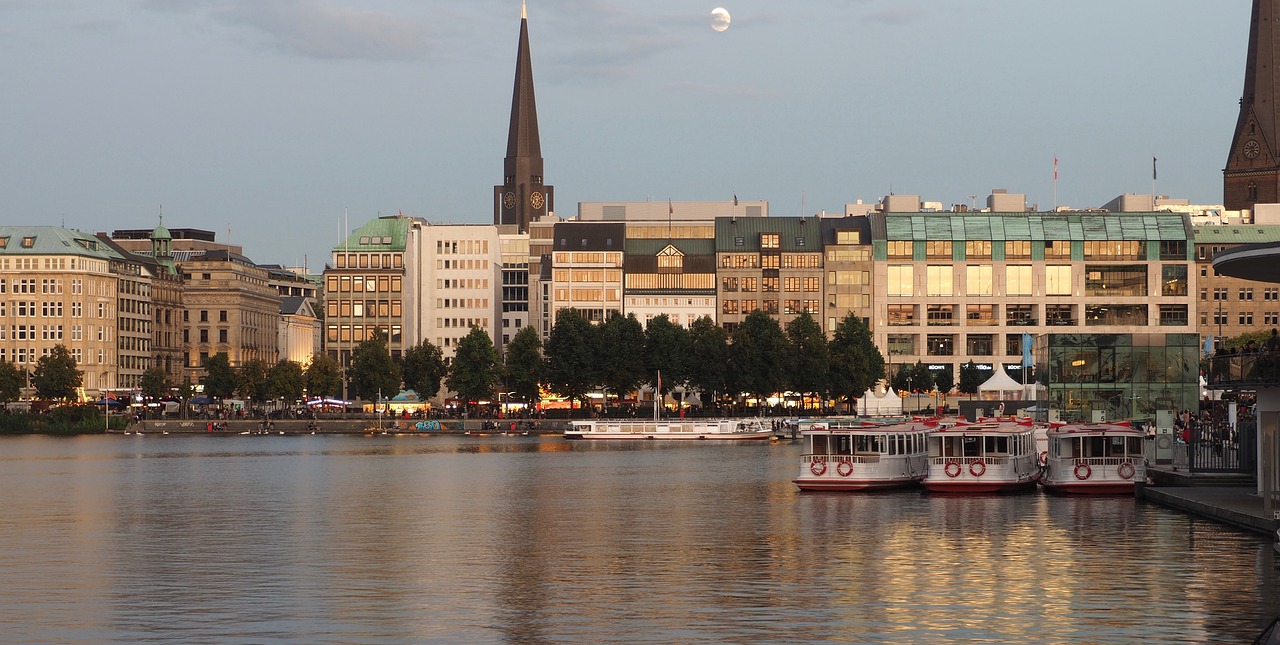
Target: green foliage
x,y
622,340
758,355
423,369
666,349
219,378
708,358
475,370
572,364
524,365
286,381
943,379
56,376
856,363
372,370
809,358
251,380
324,376
61,420
155,383
913,378
971,378
12,378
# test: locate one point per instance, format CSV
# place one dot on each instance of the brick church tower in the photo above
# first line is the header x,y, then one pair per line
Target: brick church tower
x,y
522,197
1252,175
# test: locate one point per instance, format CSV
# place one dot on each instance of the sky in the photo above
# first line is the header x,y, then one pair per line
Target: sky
x,y
278,123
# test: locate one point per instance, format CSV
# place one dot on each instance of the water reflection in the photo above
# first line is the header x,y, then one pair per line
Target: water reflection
x,y
524,539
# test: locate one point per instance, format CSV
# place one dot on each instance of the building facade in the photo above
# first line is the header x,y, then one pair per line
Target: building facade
x,y
231,308
453,279
771,264
364,288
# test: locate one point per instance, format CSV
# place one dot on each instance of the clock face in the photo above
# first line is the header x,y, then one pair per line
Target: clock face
x,y
509,200
1251,148
535,200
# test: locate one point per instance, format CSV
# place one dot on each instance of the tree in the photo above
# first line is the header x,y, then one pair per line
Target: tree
x,y
970,378
11,380
856,363
943,380
251,380
155,383
524,365
324,376
759,348
219,379
572,362
622,341
810,358
708,358
286,381
423,369
56,376
476,369
185,392
666,350
372,370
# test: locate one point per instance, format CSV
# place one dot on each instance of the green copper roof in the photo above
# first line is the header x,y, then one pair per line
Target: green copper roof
x,y
1236,234
742,234
382,234
1036,226
52,240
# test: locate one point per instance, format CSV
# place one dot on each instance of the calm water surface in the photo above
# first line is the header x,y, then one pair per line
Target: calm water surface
x,y
199,539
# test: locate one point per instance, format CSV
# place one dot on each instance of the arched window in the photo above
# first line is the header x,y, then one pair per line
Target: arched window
x,y
1253,191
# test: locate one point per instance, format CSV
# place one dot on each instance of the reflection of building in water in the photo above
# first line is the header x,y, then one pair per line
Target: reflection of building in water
x,y
1102,377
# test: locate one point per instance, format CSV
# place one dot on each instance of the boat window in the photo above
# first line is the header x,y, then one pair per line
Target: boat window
x,y
868,444
1096,447
997,445
844,445
1116,449
1068,448
1135,445
819,446
972,446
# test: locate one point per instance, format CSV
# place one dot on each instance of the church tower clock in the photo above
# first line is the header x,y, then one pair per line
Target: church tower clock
x,y
1252,175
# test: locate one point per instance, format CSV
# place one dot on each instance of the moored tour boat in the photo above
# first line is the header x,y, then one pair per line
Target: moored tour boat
x,y
674,429
989,457
1096,458
851,456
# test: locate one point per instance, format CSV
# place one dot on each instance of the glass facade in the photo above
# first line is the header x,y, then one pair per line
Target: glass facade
x,y
1091,377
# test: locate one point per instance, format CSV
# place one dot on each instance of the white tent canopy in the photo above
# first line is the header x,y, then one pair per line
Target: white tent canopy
x,y
878,404
1002,384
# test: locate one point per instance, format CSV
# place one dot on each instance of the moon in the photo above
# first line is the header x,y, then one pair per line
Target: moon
x,y
720,19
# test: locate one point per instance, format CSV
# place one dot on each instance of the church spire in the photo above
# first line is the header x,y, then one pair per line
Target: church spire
x,y
1252,174
522,197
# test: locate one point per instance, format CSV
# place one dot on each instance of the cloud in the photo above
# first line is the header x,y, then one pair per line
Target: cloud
x,y
896,16
726,91
313,28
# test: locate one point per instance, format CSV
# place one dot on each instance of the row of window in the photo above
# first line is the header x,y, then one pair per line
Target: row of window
x,y
1244,294
367,260
769,306
361,333
1022,249
1019,280
791,284
361,283
782,261
24,355
363,308
1269,318
50,332
48,309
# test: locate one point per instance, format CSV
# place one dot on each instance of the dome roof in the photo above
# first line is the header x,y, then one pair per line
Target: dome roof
x,y
160,232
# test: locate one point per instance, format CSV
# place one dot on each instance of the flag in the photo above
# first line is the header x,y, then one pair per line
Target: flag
x,y
670,209
1153,169
1208,346
659,382
1027,342
1055,168
735,199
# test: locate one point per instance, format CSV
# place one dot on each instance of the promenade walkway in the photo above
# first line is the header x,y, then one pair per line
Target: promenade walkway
x,y
1238,506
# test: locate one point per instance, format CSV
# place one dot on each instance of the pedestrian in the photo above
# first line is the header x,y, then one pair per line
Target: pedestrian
x,y
1273,343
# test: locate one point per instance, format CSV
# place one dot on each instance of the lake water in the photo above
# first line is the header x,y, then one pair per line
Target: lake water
x,y
348,539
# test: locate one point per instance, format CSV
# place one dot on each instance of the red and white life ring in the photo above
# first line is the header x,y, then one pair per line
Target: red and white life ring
x,y
1044,457
1083,471
953,469
844,468
1126,470
818,466
977,468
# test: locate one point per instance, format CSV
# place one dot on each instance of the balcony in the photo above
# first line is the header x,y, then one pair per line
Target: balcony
x,y
1231,371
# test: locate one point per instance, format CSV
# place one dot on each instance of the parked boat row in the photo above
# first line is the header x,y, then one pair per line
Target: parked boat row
x,y
672,429
959,457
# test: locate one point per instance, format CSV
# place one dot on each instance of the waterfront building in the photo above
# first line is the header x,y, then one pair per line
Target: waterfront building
x,y
514,297
57,287
452,276
523,196
542,232
957,287
133,316
848,289
773,264
300,325
231,308
1229,306
364,288
586,270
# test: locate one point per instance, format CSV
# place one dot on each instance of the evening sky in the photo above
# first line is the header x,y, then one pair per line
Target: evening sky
x,y
271,118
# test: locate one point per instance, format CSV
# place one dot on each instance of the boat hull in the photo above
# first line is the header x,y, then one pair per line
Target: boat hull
x,y
806,483
979,487
1114,487
663,436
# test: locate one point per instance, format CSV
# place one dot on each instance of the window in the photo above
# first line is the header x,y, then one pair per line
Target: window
x,y
1115,281
980,344
1246,293
940,280
222,316
1017,280
980,315
729,307
1020,315
902,315
791,306
769,285
770,307
900,280
938,250
1059,315
977,249
729,284
1017,249
749,284
941,315
1057,279
941,345
222,335
1057,249
978,280
1173,280
770,261
1173,315
204,335
769,240
900,249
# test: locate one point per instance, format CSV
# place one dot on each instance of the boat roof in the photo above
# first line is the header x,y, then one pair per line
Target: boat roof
x,y
984,428
866,427
1096,429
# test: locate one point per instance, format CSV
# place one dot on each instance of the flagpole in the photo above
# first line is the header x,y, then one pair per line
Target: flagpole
x,y
1153,183
1055,182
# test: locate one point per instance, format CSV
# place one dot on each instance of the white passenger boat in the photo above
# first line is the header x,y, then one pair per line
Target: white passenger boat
x,y
1094,458
989,457
847,455
673,429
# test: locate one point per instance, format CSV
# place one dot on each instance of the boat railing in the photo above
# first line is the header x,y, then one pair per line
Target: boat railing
x,y
990,460
853,459
1103,461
